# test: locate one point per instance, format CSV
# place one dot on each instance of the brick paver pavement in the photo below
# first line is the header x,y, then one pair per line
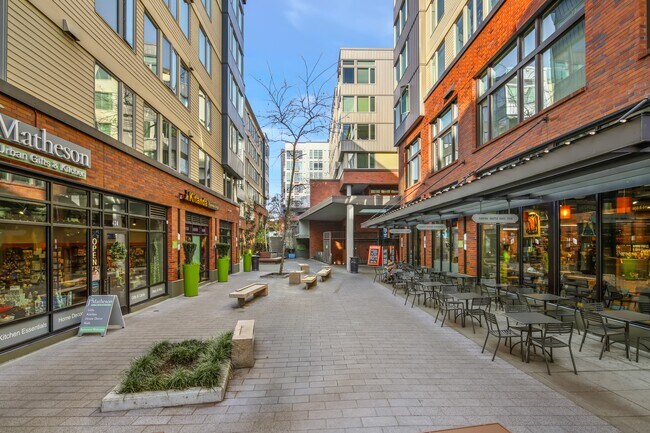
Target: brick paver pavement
x,y
344,357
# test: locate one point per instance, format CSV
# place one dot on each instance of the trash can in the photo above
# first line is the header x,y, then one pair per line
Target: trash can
x,y
354,265
256,263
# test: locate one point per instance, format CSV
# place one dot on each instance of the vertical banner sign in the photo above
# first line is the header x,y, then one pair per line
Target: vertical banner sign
x,y
374,255
95,269
99,314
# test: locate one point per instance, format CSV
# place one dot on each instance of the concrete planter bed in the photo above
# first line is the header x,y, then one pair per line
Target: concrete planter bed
x,y
175,374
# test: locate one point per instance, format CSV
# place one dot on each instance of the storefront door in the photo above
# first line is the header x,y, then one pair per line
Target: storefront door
x,y
115,281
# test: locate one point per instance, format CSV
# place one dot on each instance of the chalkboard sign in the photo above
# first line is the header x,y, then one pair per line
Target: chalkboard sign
x,y
374,255
99,313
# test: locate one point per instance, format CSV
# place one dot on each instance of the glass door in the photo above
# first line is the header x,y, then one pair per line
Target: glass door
x,y
115,282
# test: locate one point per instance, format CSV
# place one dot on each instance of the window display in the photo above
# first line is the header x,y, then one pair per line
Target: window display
x,y
23,271
578,247
489,251
69,267
536,246
137,260
509,258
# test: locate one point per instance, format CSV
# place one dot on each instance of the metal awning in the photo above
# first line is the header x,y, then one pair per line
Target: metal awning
x,y
617,157
335,208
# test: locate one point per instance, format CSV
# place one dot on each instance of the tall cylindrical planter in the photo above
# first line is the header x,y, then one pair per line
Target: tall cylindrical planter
x,y
223,266
248,262
191,278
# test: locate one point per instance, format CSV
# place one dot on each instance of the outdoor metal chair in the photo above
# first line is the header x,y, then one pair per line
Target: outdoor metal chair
x,y
414,289
447,306
595,324
496,331
521,329
532,305
549,340
477,310
565,308
600,307
379,273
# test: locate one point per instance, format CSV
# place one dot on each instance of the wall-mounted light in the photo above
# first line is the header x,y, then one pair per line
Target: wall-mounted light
x,y
565,212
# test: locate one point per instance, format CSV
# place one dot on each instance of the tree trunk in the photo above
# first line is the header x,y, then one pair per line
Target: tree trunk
x,y
287,213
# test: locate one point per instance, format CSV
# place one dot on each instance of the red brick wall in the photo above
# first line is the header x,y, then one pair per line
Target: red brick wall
x,y
387,178
118,172
617,70
320,190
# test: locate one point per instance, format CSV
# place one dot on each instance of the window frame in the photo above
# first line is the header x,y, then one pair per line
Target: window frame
x,y
438,132
122,17
410,160
121,90
158,70
523,61
207,109
207,50
207,6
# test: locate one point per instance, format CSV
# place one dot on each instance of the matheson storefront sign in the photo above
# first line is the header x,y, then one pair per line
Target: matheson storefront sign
x,y
30,138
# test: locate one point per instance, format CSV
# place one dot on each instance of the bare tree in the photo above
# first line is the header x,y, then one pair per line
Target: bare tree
x,y
298,112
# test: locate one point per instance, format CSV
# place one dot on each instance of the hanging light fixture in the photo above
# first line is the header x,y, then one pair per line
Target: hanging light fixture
x,y
565,212
623,205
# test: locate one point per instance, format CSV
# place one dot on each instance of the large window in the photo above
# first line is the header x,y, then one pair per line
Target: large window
x,y
555,66
358,71
150,132
364,104
207,4
444,133
184,166
184,85
578,247
119,14
413,163
235,48
169,144
360,131
403,106
536,246
235,94
180,10
169,65
150,43
402,62
205,110
114,107
205,169
205,51
400,22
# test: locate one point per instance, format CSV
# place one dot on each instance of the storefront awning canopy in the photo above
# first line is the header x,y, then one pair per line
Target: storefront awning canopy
x,y
335,208
617,157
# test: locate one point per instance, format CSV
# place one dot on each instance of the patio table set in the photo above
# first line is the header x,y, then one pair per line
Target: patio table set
x,y
535,319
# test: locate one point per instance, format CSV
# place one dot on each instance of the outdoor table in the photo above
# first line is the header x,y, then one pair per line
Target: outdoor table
x,y
431,286
466,297
626,316
530,319
544,297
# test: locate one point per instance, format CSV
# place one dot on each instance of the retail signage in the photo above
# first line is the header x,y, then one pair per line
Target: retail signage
x,y
34,138
431,227
94,255
495,218
66,318
138,296
400,231
157,291
13,334
198,200
41,161
99,313
374,255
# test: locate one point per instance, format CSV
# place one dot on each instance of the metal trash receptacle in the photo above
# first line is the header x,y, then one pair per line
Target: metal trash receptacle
x,y
354,265
256,263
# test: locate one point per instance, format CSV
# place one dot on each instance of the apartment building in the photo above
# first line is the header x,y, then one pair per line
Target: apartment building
x,y
112,153
363,175
312,162
252,206
530,163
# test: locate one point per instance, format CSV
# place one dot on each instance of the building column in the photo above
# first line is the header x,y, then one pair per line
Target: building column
x,y
349,234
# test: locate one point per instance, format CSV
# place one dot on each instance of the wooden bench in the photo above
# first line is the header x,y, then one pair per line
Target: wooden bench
x,y
243,342
304,267
324,273
309,281
294,277
256,289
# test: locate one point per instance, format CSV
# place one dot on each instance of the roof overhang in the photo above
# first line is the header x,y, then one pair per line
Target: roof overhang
x,y
335,208
617,157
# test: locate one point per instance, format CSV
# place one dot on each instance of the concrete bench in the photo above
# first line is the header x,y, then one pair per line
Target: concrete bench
x,y
243,342
309,282
257,289
304,267
324,273
270,259
294,277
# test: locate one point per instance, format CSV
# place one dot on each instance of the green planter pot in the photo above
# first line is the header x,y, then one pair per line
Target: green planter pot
x,y
223,266
248,262
191,279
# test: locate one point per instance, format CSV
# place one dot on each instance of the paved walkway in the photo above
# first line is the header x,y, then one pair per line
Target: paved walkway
x,y
345,357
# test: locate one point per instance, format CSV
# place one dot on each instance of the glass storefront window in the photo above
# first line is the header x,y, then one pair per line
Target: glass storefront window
x,y
138,223
156,258
578,248
23,272
69,216
114,220
14,185
454,246
137,208
446,250
67,196
137,260
20,211
435,250
509,254
156,225
536,246
115,204
626,241
489,251
69,267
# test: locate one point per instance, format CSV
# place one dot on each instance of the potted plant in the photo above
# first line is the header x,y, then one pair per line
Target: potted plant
x,y
223,262
190,270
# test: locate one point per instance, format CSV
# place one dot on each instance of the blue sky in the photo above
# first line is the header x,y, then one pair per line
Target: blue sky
x,y
279,32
